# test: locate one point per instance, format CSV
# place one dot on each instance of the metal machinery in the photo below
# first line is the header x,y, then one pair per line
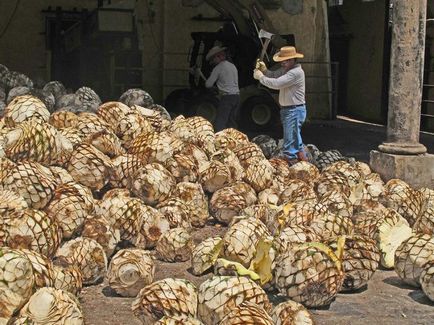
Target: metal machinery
x,y
258,107
88,49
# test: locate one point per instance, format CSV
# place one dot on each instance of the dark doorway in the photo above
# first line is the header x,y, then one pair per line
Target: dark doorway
x,y
339,52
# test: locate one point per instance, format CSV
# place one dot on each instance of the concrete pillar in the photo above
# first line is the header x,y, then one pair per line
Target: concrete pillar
x,y
401,155
406,77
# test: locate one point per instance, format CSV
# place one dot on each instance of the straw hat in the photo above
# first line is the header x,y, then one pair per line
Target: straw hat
x,y
286,53
213,51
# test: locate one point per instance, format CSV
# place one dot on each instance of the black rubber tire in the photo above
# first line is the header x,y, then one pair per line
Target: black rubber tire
x,y
204,105
178,101
259,113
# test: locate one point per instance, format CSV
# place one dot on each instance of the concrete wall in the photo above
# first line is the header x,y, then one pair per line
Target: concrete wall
x,y
168,38
22,47
311,37
166,26
365,71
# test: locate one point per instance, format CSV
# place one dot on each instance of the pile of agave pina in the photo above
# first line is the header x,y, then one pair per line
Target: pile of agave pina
x,y
74,188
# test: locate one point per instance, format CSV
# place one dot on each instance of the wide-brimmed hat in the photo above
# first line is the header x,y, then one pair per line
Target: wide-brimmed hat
x,y
286,53
213,51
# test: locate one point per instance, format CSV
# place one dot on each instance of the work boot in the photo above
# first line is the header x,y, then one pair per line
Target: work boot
x,y
291,162
301,156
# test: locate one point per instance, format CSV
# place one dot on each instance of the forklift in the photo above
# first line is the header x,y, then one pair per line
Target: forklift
x,y
259,109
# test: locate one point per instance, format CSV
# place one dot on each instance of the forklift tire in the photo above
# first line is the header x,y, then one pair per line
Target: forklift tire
x,y
178,101
205,106
259,113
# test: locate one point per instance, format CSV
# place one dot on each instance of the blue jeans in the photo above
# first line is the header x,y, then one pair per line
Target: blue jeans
x,y
292,120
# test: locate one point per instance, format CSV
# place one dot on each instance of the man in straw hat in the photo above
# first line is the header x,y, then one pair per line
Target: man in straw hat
x,y
225,76
290,82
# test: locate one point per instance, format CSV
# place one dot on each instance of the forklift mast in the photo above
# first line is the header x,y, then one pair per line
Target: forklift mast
x,y
245,18
243,11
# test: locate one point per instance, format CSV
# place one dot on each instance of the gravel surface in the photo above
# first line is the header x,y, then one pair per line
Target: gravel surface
x,y
385,301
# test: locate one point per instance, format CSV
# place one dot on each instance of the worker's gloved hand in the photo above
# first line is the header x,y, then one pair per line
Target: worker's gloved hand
x,y
260,65
257,74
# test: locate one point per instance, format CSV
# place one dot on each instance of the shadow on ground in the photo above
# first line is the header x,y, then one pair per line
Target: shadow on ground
x,y
351,138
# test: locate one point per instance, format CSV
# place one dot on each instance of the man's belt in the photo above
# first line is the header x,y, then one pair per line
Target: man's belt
x,y
223,93
292,106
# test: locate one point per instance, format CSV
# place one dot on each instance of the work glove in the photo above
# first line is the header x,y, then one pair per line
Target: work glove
x,y
257,74
260,65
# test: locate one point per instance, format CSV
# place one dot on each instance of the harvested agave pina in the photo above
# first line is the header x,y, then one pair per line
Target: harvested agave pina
x,y
124,167
227,157
88,255
63,119
259,174
220,294
70,205
32,140
24,108
304,171
295,235
16,282
98,228
183,167
247,313
31,181
33,229
52,306
152,146
425,223
427,280
5,164
291,313
107,142
337,203
124,214
215,176
399,196
167,297
360,260
67,277
112,113
153,184
389,231
411,256
311,273
241,239
178,320
176,211
331,225
130,270
225,203
205,254
175,245
297,190
43,269
260,269
89,166
193,195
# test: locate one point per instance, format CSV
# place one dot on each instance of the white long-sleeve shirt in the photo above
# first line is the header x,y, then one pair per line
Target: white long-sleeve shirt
x,y
226,76
291,85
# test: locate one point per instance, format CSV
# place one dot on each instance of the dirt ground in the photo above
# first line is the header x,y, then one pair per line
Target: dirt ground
x,y
385,301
